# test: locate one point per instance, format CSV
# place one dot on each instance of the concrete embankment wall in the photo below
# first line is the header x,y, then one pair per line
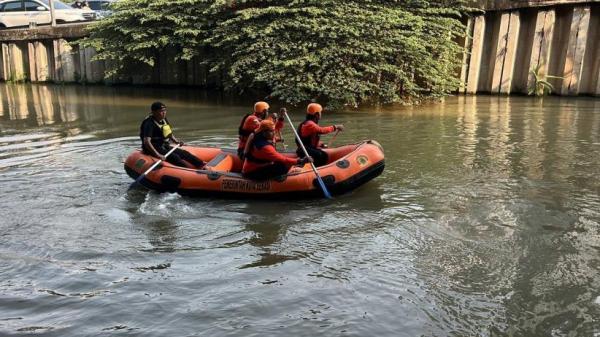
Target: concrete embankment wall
x,y
561,40
47,54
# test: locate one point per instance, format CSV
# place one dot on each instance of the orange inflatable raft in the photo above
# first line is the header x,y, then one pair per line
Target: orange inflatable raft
x,y
349,167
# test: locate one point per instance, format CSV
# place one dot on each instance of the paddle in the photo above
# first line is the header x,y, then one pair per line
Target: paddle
x,y
333,138
152,167
323,187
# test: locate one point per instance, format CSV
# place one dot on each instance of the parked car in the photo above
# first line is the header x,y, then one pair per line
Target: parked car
x,y
16,13
101,7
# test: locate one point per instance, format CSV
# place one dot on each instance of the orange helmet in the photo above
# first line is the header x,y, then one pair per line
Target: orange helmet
x,y
261,106
267,124
314,108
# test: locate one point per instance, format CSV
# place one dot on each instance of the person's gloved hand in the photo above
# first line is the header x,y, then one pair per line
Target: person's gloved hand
x,y
181,143
282,113
302,161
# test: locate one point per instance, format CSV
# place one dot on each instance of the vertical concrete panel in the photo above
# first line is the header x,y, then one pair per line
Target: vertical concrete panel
x,y
49,50
18,65
476,52
576,51
537,42
76,63
3,75
82,65
466,43
92,68
191,71
590,75
57,67
512,39
542,42
488,57
163,68
498,61
546,44
6,57
66,62
200,72
560,42
32,62
528,18
42,63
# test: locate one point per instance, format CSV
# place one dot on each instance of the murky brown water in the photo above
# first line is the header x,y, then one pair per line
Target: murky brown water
x,y
486,222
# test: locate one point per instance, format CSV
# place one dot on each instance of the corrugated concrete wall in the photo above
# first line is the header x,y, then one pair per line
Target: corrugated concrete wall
x,y
505,47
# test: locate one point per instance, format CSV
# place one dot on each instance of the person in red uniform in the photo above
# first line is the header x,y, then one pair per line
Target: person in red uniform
x,y
250,123
262,161
310,134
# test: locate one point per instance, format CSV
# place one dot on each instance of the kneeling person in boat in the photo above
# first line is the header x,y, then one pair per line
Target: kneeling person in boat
x,y
251,122
310,133
262,161
156,133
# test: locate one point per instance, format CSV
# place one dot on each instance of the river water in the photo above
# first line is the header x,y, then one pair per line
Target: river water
x,y
485,222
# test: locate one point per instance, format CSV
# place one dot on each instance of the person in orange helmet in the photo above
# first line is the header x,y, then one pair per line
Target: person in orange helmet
x,y
251,122
262,161
310,134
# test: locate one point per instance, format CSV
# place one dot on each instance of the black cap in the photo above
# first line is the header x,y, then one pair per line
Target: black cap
x,y
157,106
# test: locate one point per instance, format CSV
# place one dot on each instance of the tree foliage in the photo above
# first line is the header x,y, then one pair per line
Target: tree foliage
x,y
344,52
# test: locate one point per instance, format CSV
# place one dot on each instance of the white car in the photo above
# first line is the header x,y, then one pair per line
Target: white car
x,y
17,13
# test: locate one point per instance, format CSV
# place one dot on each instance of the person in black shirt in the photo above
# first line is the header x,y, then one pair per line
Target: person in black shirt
x,y
155,133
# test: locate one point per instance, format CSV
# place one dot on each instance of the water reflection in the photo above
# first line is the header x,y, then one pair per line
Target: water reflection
x,y
520,198
162,235
266,235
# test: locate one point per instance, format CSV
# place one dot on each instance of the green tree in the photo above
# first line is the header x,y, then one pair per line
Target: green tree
x,y
342,52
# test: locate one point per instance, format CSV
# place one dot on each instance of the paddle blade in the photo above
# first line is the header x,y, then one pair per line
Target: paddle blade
x,y
324,188
136,181
132,186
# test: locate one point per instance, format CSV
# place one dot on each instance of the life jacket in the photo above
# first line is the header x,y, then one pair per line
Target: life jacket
x,y
244,134
241,131
258,143
308,141
165,128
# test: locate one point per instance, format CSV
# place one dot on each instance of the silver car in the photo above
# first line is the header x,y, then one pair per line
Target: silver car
x,y
101,7
18,13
